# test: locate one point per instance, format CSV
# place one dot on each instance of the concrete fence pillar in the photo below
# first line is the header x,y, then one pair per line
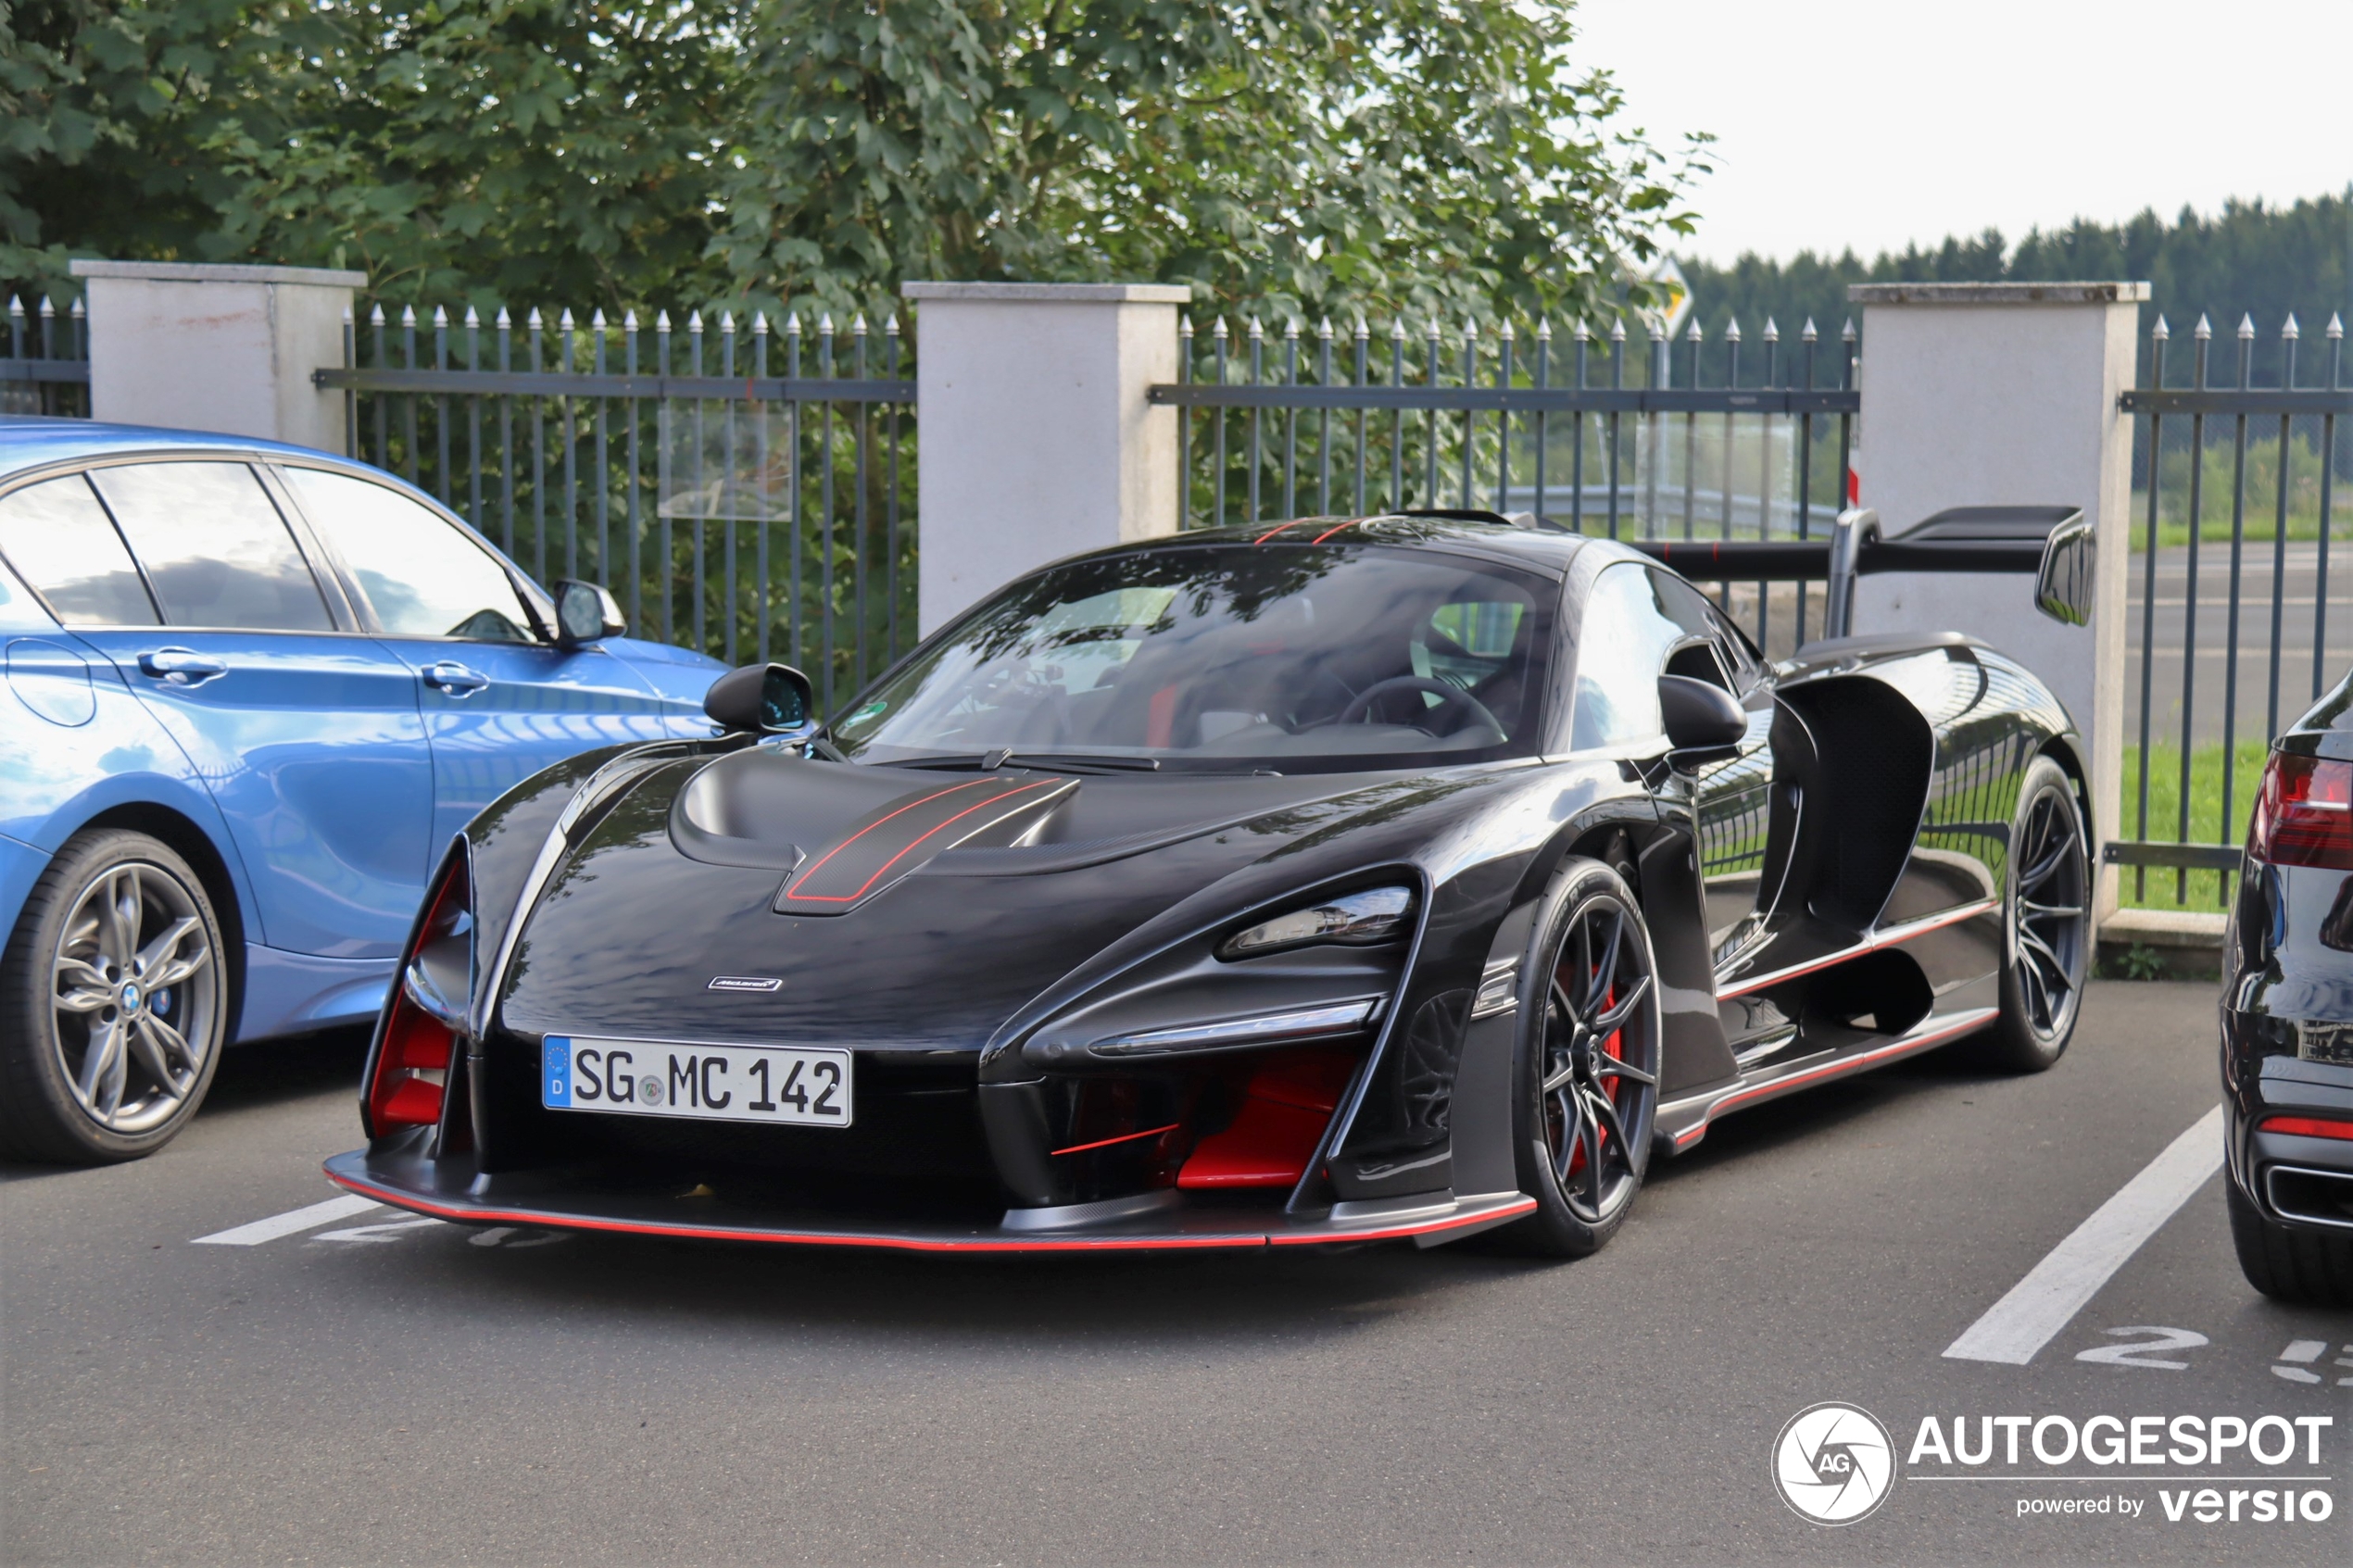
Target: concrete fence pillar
x,y
228,349
2007,394
1037,440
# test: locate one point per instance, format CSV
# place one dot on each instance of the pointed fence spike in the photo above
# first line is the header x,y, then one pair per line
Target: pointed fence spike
x,y
2247,325
440,319
2204,329
1848,334
75,309
532,320
1505,331
1583,332
596,319
48,309
1219,328
792,323
1806,334
503,320
1618,330
1772,330
629,319
826,324
1543,329
1324,329
563,322
1363,329
858,327
891,325
2289,329
1257,328
759,323
727,321
1291,330
2160,331
1732,330
408,315
693,321
375,316
1185,324
473,320
662,322
1397,327
1470,328
2337,324
1694,334
16,312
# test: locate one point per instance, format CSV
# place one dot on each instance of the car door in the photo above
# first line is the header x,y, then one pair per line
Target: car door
x,y
1734,796
306,732
501,701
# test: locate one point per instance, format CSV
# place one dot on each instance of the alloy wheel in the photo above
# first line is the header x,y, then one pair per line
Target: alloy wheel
x,y
1600,1064
135,994
2048,927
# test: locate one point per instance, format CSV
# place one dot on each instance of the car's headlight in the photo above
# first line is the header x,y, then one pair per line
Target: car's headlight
x,y
1375,915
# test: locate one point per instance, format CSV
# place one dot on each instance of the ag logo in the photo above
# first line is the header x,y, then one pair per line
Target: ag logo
x,y
1834,1463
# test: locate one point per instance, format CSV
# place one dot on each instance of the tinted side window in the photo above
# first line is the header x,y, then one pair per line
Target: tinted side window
x,y
425,578
1622,643
214,546
59,539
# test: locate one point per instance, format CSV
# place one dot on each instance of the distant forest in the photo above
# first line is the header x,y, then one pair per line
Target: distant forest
x,y
2249,259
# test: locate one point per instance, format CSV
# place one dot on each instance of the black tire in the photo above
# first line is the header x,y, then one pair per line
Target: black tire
x,y
99,1063
2046,925
2306,1268
1584,1099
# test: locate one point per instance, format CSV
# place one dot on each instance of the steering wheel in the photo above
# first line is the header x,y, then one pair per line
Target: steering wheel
x,y
1473,711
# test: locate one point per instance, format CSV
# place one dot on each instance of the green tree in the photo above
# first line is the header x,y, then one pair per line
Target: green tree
x,y
1321,154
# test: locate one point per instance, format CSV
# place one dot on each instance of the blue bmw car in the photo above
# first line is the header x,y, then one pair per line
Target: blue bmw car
x,y
253,690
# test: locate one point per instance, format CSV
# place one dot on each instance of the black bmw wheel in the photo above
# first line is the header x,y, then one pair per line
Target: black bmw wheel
x,y
114,1001
1587,1064
2047,924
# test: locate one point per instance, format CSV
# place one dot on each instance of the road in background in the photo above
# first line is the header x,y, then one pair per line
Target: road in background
x,y
2300,604
375,1389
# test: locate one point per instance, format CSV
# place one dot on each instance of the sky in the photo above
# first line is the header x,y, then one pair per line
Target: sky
x,y
1874,123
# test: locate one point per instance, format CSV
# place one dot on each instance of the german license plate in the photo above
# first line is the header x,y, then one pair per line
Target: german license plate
x,y
775,1084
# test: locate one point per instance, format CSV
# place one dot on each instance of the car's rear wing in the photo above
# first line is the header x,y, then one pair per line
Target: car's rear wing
x,y
2054,542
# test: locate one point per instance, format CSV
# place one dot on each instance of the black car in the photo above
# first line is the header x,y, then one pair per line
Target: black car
x,y
2287,1018
1402,876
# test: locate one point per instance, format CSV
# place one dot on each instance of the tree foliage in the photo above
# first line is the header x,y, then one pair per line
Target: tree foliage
x,y
1327,154
2248,259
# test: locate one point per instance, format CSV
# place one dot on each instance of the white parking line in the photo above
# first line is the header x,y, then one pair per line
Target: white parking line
x,y
2053,1291
294,1219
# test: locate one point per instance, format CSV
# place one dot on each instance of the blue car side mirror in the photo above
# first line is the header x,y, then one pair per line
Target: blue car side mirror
x,y
586,613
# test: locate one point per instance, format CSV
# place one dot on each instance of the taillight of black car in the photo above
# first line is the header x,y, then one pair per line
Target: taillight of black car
x,y
417,1037
2304,813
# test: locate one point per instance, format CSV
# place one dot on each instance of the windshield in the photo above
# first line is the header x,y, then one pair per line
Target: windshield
x,y
1239,655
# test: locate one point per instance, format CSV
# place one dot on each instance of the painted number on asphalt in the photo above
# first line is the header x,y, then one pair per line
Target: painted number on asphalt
x,y
2140,1353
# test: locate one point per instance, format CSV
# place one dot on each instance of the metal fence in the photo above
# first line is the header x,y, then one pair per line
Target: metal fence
x,y
1636,438
2237,496
749,499
47,367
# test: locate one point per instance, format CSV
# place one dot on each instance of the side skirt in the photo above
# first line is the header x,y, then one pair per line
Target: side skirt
x,y
1684,1122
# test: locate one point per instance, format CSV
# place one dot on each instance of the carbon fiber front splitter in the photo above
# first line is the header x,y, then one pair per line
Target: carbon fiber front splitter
x,y
412,1183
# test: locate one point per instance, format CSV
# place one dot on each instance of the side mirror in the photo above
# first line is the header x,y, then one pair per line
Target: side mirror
x,y
586,613
1703,721
2063,585
761,699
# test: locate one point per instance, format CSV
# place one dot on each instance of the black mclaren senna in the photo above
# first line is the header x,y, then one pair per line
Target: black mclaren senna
x,y
1403,876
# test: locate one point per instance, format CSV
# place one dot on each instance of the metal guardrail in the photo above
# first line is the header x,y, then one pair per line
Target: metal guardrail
x,y
1470,421
2227,435
745,512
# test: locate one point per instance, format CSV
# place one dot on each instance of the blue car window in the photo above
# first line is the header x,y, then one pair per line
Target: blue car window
x,y
58,537
214,546
423,578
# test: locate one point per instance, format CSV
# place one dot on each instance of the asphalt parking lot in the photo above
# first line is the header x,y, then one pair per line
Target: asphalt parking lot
x,y
368,1389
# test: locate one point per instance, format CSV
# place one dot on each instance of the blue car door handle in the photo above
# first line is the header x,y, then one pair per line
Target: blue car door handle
x,y
454,679
179,667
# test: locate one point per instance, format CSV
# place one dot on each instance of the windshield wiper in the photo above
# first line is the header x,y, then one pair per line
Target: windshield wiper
x,y
1041,762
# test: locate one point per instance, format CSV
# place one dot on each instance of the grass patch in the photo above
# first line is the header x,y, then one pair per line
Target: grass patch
x,y
2154,887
